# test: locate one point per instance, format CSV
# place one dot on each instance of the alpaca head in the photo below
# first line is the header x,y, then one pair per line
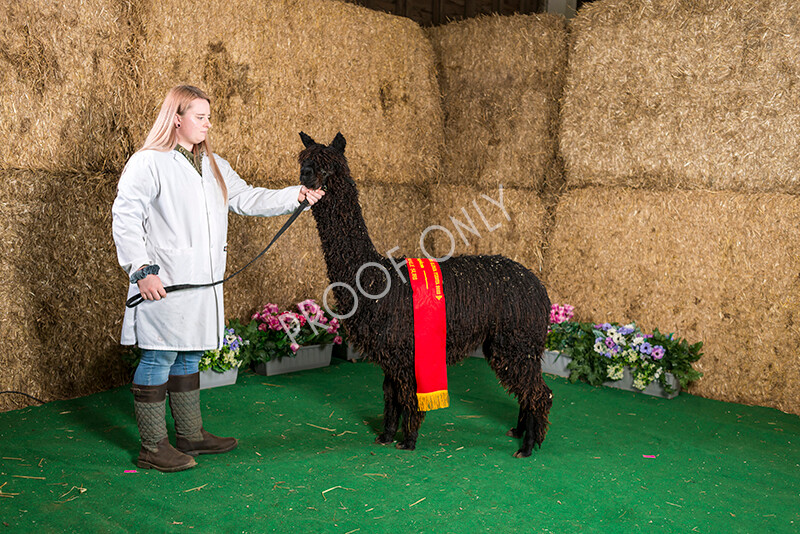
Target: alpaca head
x,y
324,167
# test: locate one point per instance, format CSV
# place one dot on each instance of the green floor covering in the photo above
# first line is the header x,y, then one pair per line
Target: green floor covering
x,y
307,463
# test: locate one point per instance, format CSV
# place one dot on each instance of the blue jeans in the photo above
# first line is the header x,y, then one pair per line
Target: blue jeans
x,y
156,366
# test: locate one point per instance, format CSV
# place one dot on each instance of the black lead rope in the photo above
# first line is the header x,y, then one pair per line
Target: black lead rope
x,y
138,299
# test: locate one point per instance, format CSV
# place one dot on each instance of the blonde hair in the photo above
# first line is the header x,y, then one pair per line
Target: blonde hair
x,y
162,136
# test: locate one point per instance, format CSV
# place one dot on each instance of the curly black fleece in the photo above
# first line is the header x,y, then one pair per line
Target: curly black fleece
x,y
490,301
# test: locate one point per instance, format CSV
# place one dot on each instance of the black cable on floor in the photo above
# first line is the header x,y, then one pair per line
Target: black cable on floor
x,y
40,401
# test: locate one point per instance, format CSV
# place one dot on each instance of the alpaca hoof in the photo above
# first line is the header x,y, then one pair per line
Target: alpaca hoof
x,y
513,433
383,439
406,446
522,454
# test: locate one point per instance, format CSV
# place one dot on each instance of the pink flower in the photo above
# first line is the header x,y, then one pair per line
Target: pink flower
x,y
560,313
262,327
294,347
309,306
337,340
255,316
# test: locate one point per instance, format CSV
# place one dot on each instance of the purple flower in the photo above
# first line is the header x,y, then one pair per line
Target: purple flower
x,y
645,348
658,352
625,330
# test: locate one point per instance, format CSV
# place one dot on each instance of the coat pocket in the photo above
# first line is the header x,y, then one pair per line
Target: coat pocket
x,y
176,265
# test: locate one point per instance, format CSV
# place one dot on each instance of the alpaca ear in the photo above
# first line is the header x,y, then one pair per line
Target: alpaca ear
x,y
339,143
307,141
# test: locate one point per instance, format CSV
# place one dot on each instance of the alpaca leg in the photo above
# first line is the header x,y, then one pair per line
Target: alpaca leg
x,y
412,420
518,430
537,421
521,375
540,411
391,411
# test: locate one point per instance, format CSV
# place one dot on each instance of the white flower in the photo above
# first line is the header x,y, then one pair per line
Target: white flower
x,y
615,372
637,340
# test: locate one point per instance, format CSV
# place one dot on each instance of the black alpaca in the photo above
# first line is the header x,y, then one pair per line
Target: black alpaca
x,y
490,301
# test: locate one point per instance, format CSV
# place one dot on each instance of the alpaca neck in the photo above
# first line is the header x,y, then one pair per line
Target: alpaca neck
x,y
345,240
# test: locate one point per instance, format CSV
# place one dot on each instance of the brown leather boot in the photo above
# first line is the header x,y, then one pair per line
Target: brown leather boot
x,y
156,453
184,401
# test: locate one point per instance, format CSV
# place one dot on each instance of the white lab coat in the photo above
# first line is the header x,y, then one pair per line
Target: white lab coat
x,y
167,214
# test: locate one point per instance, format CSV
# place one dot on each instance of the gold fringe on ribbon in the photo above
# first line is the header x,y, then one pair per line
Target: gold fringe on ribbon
x,y
433,400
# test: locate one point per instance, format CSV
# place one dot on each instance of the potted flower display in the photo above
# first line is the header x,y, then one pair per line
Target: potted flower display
x,y
220,367
620,356
286,341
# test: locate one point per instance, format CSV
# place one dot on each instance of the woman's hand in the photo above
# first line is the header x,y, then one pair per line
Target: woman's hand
x,y
151,287
312,195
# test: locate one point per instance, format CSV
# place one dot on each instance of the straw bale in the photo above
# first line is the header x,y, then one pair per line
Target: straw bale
x,y
275,68
63,292
396,216
65,73
501,79
519,236
695,95
294,268
717,267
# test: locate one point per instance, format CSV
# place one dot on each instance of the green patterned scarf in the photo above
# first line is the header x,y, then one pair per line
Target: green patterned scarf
x,y
196,161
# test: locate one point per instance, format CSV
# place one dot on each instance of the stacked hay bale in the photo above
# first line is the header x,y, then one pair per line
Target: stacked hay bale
x,y
501,79
679,142
61,286
66,85
81,86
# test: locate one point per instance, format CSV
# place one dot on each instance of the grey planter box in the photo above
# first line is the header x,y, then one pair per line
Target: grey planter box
x,y
347,352
310,357
556,363
654,388
212,379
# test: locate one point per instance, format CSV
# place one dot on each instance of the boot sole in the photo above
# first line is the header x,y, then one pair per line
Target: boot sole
x,y
172,469
209,451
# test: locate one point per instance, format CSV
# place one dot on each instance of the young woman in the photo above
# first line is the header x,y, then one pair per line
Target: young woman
x,y
170,223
